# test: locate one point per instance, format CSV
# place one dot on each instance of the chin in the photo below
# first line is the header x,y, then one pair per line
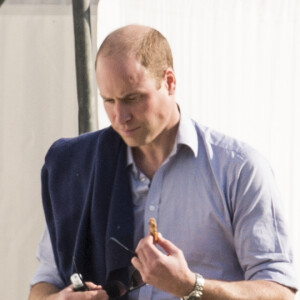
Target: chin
x,y
134,142
131,142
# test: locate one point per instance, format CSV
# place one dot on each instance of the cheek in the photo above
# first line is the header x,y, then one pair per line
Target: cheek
x,y
160,108
109,111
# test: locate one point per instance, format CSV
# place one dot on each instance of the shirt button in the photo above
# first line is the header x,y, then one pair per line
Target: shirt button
x,y
152,208
142,179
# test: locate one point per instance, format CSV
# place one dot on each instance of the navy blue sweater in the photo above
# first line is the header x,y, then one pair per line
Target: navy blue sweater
x,y
87,199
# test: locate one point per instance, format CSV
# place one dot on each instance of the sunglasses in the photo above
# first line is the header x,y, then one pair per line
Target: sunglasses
x,y
115,288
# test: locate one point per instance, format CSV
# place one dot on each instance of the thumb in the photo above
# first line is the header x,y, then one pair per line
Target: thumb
x,y
167,245
93,286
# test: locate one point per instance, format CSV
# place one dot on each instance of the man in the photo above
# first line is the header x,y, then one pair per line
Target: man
x,y
221,232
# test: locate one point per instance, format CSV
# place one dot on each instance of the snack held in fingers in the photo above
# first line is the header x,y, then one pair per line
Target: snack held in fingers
x,y
153,229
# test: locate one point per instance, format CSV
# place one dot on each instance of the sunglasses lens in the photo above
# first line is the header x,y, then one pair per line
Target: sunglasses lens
x,y
136,280
115,289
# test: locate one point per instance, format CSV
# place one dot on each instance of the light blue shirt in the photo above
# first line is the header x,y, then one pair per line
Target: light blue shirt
x,y
216,199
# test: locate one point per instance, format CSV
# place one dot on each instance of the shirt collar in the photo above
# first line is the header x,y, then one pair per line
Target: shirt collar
x,y
186,135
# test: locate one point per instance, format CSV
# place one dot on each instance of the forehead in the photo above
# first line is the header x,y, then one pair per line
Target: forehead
x,y
122,63
120,75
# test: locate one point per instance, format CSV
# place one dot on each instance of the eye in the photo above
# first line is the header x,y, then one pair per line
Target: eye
x,y
131,99
134,98
109,100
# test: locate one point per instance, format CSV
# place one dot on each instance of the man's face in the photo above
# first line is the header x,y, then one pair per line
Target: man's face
x,y
137,110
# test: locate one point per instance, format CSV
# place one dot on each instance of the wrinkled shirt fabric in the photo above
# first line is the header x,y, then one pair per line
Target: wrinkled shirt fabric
x,y
216,199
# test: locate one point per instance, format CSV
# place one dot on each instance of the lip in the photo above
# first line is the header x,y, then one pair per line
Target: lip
x,y
128,131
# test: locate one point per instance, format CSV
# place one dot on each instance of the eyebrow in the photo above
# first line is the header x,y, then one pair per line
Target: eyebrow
x,y
130,95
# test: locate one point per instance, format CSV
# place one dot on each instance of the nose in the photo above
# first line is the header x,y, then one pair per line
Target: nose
x,y
122,113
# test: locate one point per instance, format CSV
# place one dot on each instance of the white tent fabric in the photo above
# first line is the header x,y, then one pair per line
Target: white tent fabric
x,y
38,104
238,71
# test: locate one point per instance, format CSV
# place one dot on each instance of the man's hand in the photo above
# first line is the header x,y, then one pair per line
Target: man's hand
x,y
166,271
46,291
169,272
95,293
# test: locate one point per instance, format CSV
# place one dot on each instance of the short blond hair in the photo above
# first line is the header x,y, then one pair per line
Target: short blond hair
x,y
147,44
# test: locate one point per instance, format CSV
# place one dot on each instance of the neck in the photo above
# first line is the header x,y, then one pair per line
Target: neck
x,y
149,158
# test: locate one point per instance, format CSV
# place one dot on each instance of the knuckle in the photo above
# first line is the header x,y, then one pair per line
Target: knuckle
x,y
146,277
179,252
156,265
147,274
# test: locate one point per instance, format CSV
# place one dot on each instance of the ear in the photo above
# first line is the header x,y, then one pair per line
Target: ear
x,y
170,80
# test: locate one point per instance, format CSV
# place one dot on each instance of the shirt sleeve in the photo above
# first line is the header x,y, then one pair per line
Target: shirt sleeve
x,y
47,269
260,232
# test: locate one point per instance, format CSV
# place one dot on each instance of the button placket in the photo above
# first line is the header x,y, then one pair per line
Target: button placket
x,y
152,207
153,199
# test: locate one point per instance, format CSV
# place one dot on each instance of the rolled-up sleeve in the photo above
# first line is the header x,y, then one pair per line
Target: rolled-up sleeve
x,y
260,232
47,270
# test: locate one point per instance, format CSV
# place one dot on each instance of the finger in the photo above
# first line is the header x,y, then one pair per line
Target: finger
x,y
101,295
93,286
148,239
149,242
137,263
95,294
69,288
167,245
147,250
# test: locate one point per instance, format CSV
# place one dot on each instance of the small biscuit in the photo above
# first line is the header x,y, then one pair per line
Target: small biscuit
x,y
153,229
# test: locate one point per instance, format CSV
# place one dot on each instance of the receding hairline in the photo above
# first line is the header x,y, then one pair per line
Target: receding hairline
x,y
143,43
124,41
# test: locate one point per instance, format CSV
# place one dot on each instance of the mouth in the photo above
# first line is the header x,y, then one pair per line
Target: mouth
x,y
128,132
